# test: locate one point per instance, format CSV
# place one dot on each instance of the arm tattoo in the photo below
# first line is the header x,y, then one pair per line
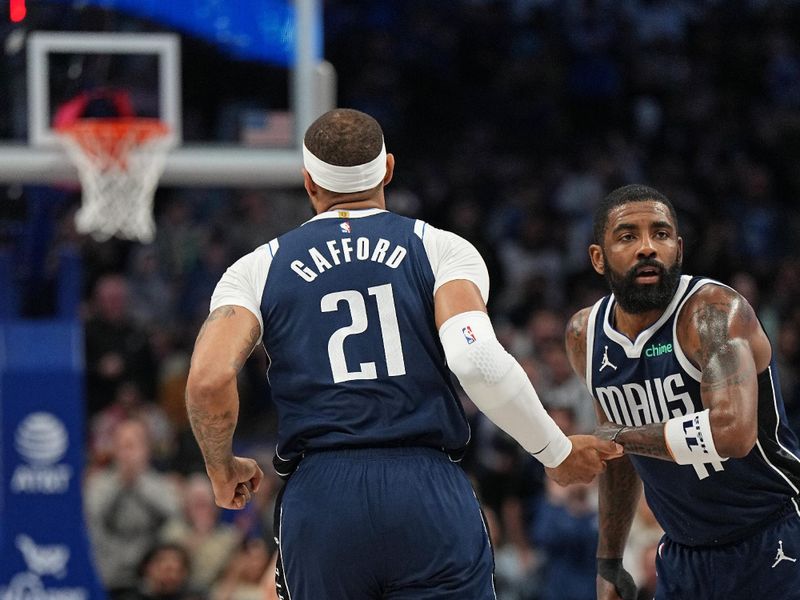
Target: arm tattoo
x,y
214,434
711,321
619,489
720,356
645,440
246,349
223,312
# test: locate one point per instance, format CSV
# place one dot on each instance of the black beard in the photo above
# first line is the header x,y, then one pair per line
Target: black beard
x,y
635,298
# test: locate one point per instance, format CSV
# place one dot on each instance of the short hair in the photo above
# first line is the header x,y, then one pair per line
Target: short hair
x,y
344,137
159,547
625,195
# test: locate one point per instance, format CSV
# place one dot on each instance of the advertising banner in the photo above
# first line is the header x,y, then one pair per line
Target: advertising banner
x,y
43,540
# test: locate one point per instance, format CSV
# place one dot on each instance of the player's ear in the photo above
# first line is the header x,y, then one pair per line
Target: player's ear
x,y
389,169
680,250
309,184
597,258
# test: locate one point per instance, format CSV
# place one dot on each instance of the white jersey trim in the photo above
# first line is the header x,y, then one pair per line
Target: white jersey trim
x,y
346,213
683,361
777,439
590,325
243,282
633,349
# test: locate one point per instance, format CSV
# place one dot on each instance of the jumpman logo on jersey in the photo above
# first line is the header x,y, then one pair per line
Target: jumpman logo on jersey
x,y
781,556
606,362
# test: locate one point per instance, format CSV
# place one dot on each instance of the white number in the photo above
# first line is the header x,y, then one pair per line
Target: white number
x,y
390,332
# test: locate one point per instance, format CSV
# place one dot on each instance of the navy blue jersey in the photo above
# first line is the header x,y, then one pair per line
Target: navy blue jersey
x,y
355,357
650,380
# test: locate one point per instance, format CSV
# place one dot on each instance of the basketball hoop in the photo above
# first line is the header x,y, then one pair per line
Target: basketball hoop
x,y
119,162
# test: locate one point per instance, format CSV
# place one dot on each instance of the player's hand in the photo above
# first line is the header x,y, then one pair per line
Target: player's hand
x,y
615,583
586,461
235,483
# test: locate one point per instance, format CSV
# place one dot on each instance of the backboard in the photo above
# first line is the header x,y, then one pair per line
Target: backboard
x,y
173,70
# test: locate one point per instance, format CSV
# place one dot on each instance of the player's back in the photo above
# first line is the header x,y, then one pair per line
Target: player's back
x,y
355,359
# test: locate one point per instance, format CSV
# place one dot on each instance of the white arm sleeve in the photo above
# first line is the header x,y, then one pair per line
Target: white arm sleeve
x,y
452,257
499,386
243,283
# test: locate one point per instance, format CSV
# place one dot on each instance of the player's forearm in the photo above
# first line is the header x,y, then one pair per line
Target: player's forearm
x,y
619,491
213,414
644,440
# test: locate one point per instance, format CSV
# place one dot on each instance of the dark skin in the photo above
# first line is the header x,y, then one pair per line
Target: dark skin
x,y
718,332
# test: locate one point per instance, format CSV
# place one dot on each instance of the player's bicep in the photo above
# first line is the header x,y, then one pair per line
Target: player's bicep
x,y
720,326
455,297
723,325
226,339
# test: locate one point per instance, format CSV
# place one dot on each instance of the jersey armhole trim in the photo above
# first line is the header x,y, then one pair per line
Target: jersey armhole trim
x,y
684,362
419,228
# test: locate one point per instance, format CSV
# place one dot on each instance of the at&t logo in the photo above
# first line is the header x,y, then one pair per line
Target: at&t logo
x,y
41,441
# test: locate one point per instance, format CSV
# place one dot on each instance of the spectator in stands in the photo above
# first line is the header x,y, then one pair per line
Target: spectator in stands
x,y
117,349
198,529
126,506
164,575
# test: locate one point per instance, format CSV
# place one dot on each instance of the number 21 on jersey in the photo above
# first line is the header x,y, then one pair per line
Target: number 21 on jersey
x,y
389,331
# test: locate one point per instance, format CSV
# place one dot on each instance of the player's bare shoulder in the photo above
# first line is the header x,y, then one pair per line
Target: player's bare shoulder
x,y
575,339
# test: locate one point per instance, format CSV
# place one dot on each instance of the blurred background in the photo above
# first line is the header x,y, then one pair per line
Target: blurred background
x,y
509,121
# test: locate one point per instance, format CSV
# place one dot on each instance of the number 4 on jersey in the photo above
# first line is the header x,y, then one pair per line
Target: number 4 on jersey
x,y
390,332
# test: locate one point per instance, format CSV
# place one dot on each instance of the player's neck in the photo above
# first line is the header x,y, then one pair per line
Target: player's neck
x,y
354,204
631,325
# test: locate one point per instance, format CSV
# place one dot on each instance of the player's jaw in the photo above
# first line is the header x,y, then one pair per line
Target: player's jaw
x,y
648,285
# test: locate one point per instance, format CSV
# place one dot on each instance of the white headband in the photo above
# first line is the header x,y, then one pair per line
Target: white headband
x,y
346,179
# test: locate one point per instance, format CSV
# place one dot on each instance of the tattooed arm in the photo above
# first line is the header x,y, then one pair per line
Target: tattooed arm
x,y
225,341
721,336
619,486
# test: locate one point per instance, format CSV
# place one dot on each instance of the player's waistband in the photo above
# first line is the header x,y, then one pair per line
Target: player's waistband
x,y
286,467
374,453
788,508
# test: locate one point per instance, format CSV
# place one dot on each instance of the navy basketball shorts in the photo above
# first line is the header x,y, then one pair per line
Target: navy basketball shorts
x,y
765,565
388,523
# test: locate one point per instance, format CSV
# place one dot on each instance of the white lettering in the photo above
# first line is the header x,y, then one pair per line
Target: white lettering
x,y
380,250
319,260
41,480
610,398
396,257
638,402
346,249
684,399
303,271
335,252
635,404
362,248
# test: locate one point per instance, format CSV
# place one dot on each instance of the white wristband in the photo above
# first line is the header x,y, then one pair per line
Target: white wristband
x,y
689,439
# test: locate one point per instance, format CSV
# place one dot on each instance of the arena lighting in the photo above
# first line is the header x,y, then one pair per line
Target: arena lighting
x,y
17,10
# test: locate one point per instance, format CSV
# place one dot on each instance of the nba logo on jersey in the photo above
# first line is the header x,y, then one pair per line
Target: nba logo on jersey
x,y
468,335
345,227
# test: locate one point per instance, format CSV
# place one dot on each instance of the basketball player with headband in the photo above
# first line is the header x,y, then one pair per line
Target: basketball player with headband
x,y
363,314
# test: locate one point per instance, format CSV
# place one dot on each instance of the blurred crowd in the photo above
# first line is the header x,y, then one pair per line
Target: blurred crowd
x,y
510,120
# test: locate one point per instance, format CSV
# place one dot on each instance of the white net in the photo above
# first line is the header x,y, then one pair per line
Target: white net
x,y
119,163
